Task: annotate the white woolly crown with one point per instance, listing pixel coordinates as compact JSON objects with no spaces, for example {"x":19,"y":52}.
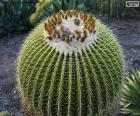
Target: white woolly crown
{"x":69,"y":31}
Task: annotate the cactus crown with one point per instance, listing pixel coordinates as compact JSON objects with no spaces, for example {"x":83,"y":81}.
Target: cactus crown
{"x":70,"y":30}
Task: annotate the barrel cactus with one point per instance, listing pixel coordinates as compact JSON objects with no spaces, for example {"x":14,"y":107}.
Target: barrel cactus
{"x":70,"y":64}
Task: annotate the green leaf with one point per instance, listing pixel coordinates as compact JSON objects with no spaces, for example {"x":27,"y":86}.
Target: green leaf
{"x":81,"y":7}
{"x":57,"y":4}
{"x":72,"y":4}
{"x":131,"y":94}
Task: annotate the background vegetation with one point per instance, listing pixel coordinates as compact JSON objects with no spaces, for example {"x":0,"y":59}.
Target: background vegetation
{"x":14,"y":15}
{"x":131,"y":94}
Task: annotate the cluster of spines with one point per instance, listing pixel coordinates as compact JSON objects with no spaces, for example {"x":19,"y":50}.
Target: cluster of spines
{"x":77,"y":84}
{"x":64,"y":34}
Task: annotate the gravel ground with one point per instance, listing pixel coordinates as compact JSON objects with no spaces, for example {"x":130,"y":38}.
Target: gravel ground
{"x":128,"y":33}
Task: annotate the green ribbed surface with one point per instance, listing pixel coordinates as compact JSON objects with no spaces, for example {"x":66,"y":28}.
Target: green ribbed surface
{"x":77,"y":84}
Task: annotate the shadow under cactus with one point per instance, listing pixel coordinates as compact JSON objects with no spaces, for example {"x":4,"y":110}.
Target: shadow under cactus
{"x":128,"y":33}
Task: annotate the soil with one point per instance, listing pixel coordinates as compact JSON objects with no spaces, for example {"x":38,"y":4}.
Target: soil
{"x":127,"y":32}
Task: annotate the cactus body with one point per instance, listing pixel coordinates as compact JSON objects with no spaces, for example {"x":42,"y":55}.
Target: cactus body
{"x":76,"y":73}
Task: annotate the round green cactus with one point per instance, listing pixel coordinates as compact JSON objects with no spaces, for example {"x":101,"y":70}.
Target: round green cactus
{"x":70,"y":64}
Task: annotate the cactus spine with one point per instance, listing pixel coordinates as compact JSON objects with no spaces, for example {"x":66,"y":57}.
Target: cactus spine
{"x":71,"y":64}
